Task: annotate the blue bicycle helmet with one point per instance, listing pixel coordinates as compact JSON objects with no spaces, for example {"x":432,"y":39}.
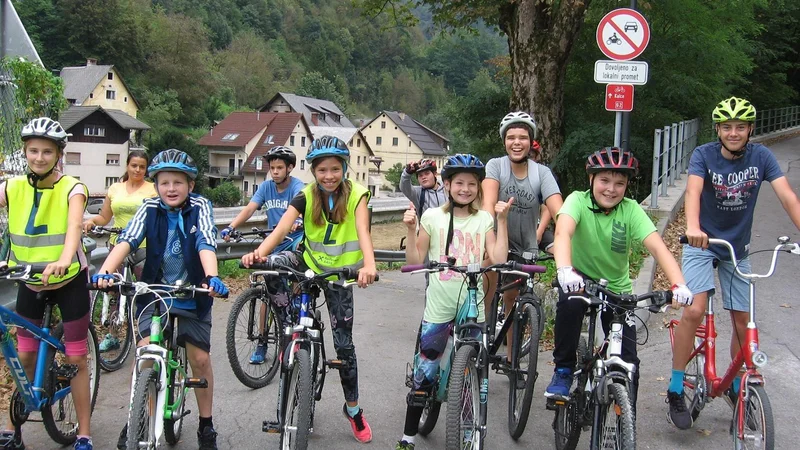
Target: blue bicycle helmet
{"x":172,"y":160}
{"x":328,"y":146}
{"x":463,"y":163}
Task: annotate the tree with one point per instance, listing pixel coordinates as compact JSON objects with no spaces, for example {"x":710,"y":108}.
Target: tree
{"x":177,"y":140}
{"x":248,"y":67}
{"x":393,"y":175}
{"x":313,"y":84}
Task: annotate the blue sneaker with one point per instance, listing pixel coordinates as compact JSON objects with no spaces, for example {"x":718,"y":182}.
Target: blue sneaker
{"x":83,"y":444}
{"x":259,"y":355}
{"x":109,"y":343}
{"x":560,"y":384}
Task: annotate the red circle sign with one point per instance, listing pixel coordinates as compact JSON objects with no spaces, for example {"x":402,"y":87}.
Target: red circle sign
{"x":623,"y":34}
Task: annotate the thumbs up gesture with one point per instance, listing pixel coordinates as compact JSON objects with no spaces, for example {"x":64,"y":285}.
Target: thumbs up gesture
{"x":501,"y":209}
{"x":410,"y":217}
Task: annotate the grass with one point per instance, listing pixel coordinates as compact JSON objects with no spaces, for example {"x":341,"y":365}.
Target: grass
{"x":231,"y":269}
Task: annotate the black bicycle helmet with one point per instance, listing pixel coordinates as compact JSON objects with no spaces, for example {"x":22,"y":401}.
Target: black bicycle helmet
{"x":282,"y":153}
{"x":463,"y":163}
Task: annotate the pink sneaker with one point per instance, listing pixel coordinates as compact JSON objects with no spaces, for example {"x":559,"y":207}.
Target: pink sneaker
{"x":361,"y":430}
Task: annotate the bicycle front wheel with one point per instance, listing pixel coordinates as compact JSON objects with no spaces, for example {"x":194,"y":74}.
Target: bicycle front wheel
{"x":463,"y":402}
{"x":565,"y":425}
{"x":694,"y":382}
{"x":143,"y":414}
{"x":176,"y":393}
{"x":114,"y":339}
{"x":297,"y":415}
{"x":243,"y":339}
{"x":521,"y":381}
{"x":616,"y":421}
{"x":758,"y":426}
{"x":60,"y":416}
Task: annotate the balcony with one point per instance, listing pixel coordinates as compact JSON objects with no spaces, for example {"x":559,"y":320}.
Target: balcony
{"x":224,"y":172}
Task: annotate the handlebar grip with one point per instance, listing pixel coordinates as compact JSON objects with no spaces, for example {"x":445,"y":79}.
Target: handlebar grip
{"x":531,"y":268}
{"x":38,"y":268}
{"x":256,"y":266}
{"x":683,"y":239}
{"x":412,"y":267}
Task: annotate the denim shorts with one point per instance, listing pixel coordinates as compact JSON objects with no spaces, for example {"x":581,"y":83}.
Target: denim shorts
{"x":698,"y":269}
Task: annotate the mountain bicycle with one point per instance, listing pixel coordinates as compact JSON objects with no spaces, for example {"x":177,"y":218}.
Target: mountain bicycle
{"x":601,"y":392}
{"x":110,"y":315}
{"x":252,"y":325}
{"x":49,"y":392}
{"x":160,"y":380}
{"x":520,"y":327}
{"x":464,"y":376}
{"x":753,"y":424}
{"x":302,"y":355}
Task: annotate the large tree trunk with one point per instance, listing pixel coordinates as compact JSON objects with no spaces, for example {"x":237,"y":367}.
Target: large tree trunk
{"x":540,"y":37}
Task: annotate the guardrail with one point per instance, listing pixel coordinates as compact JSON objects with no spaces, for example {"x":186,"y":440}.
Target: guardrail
{"x":672,"y":146}
{"x":777,"y":119}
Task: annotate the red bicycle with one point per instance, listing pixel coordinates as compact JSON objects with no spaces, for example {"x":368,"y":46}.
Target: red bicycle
{"x":752,"y":426}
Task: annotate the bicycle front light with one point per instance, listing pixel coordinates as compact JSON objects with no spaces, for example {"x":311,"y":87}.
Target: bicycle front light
{"x":759,"y":358}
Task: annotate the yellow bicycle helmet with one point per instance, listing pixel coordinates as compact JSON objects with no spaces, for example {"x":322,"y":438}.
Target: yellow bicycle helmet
{"x":734,"y":109}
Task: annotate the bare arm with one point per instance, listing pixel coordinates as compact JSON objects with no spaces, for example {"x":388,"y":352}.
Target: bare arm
{"x":115,"y":258}
{"x":497,"y":246}
{"x":544,"y":221}
{"x":277,"y":236}
{"x":410,"y":219}
{"x":102,"y":218}
{"x":788,"y":199}
{"x":366,"y":275}
{"x":562,"y":242}
{"x":554,"y":203}
{"x":691,"y":204}
{"x":208,"y":259}
{"x":246,"y":213}
{"x":491,"y":192}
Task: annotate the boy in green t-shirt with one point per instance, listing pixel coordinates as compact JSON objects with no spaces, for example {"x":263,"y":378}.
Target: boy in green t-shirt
{"x":604,"y":224}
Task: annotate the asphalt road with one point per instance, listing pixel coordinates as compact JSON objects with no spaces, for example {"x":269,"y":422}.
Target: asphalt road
{"x":387,"y":315}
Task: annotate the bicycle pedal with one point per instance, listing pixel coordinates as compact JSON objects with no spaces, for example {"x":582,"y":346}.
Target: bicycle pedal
{"x":336,"y":364}
{"x":9,"y":440}
{"x":271,"y":427}
{"x":553,"y":404}
{"x":196,"y":383}
{"x":65,"y":372}
{"x":418,"y":398}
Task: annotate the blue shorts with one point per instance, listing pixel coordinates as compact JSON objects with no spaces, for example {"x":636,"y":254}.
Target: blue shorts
{"x":698,"y":269}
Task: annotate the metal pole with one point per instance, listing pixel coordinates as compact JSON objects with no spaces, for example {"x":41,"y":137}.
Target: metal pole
{"x":625,"y":138}
{"x":673,"y":151}
{"x":665,"y":160}
{"x":654,"y":182}
{"x":617,"y":129}
{"x":2,"y":29}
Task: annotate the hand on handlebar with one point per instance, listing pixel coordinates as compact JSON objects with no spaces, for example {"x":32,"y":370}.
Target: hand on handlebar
{"x":697,"y":238}
{"x":215,"y":285}
{"x":569,"y":280}
{"x":681,"y":296}
{"x":252,"y":258}
{"x":102,"y":280}
{"x":225,"y":233}
{"x":366,"y":276}
{"x":88,"y":225}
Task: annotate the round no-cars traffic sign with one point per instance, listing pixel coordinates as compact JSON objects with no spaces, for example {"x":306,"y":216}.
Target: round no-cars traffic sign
{"x":623,"y":34}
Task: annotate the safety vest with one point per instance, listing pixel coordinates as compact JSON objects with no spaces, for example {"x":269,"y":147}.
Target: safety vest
{"x":38,"y":230}
{"x":333,"y":245}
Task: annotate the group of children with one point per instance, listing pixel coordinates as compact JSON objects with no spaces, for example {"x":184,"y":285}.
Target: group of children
{"x":478,"y":212}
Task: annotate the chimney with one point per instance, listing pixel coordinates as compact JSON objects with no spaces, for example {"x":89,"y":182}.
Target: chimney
{"x":315,"y":118}
{"x":361,"y":123}
{"x":258,"y":116}
{"x":91,"y":62}
{"x":402,"y":116}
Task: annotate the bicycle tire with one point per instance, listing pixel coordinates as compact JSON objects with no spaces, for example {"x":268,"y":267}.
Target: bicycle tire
{"x":240,"y":343}
{"x":174,"y":427}
{"x":617,"y":421}
{"x":60,"y":418}
{"x":519,"y":399}
{"x":463,"y":401}
{"x":111,"y":361}
{"x":143,"y":410}
{"x":758,"y":421}
{"x":694,"y":382}
{"x":299,"y":403}
{"x":430,"y":415}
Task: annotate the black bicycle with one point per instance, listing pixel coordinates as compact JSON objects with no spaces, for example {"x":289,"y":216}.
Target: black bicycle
{"x":601,"y":392}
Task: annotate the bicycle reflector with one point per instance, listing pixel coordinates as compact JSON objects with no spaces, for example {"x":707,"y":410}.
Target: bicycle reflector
{"x":759,"y":359}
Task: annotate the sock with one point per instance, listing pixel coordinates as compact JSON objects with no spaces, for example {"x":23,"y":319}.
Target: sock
{"x":206,"y":422}
{"x":84,"y":436}
{"x":676,"y":382}
{"x":352,"y":411}
{"x":737,"y":383}
{"x":409,"y":439}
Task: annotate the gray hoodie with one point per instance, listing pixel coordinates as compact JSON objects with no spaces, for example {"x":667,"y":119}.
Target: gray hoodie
{"x":431,"y":198}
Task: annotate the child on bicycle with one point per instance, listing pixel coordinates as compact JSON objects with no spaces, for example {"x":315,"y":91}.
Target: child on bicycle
{"x":336,"y":236}
{"x":181,"y":245}
{"x":603,"y":225}
{"x":721,"y":191}
{"x":460,"y":230}
{"x":45,"y":210}
{"x":275,"y":194}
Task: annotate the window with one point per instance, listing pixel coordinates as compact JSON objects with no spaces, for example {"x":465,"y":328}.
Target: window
{"x":246,"y":186}
{"x":383,"y":124}
{"x":395,"y":141}
{"x":72,"y":158}
{"x":302,"y":164}
{"x":269,"y":139}
{"x":359,"y":160}
{"x":112,"y":159}
{"x":358,"y":143}
{"x":110,"y":181}
{"x":110,"y":75}
{"x":91,"y":95}
{"x":291,"y":141}
{"x":125,"y":99}
{"x":111,"y":95}
{"x":302,"y":141}
{"x":94,"y":130}
{"x":378,"y":140}
{"x":230,"y":137}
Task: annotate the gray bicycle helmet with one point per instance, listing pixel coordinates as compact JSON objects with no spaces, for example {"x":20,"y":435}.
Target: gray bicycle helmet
{"x":46,"y":128}
{"x":518,"y":117}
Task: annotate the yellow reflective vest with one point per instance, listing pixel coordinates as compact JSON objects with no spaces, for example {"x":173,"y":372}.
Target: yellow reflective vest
{"x":38,"y":230}
{"x":333,"y":245}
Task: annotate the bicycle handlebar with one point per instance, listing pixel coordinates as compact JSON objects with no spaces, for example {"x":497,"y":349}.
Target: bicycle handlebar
{"x":510,"y":267}
{"x":784,"y":245}
{"x":653,"y":300}
{"x":21,"y":272}
{"x":133,"y":288}
{"x":267,"y":268}
{"x":98,"y":230}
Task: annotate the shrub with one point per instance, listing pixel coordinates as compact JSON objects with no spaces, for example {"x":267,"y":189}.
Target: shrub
{"x":226,"y":194}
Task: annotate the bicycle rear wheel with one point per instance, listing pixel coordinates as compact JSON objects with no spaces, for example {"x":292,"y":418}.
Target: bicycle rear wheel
{"x":520,"y":386}
{"x":243,"y":338}
{"x":114,"y":338}
{"x":297,"y":415}
{"x":176,"y":392}
{"x":143,"y":414}
{"x":566,"y":427}
{"x":59,"y":416}
{"x":463,"y":402}
{"x":430,"y":415}
{"x":617,"y":423}
{"x":758,"y":423}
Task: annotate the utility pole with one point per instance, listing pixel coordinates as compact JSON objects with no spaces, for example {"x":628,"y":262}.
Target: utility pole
{"x":625,"y":138}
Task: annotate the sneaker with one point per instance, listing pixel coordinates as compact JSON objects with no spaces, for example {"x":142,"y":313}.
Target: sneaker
{"x":361,"y":430}
{"x":122,"y":442}
{"x":109,"y":343}
{"x":403,"y":445}
{"x":560,"y":384}
{"x":83,"y":444}
{"x":259,"y":355}
{"x":678,"y":415}
{"x":207,"y":440}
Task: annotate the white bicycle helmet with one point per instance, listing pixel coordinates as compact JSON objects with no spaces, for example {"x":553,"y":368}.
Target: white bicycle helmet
{"x":46,"y":128}
{"x":520,"y":117}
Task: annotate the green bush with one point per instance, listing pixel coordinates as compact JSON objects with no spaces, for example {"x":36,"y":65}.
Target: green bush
{"x":226,"y":194}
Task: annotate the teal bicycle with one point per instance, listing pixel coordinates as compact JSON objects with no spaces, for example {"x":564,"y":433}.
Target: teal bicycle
{"x":49,"y":392}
